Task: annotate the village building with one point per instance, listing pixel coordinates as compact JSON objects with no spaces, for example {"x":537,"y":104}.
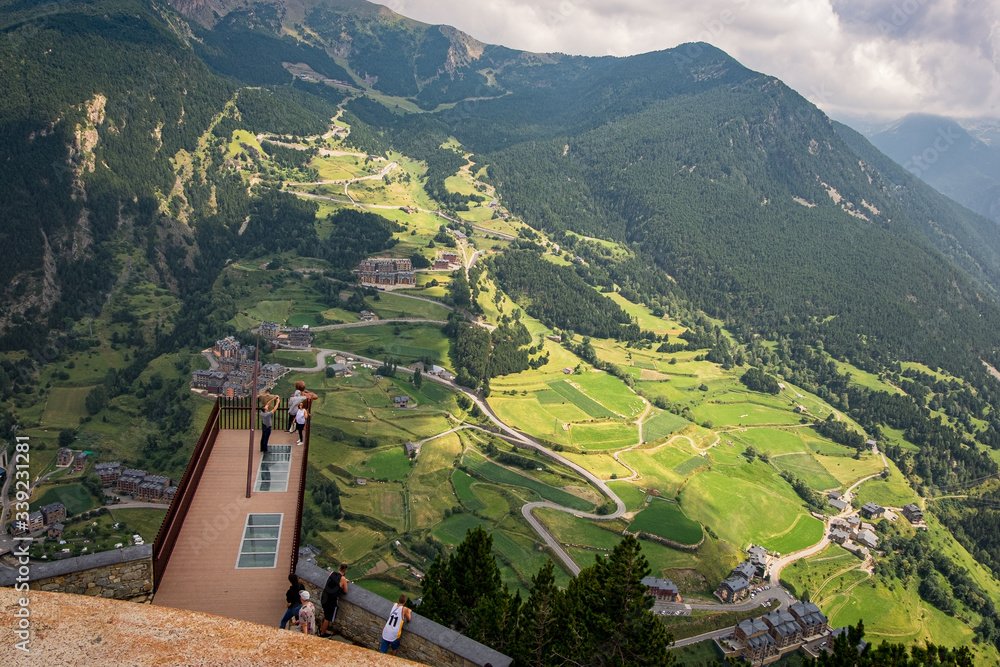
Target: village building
{"x":367,"y":316}
{"x":810,"y":618}
{"x":36,"y":522}
{"x":663,"y":590}
{"x":300,"y":337}
{"x":210,"y":381}
{"x":229,"y":348}
{"x":733,"y":589}
{"x":412,"y":449}
{"x":386,"y":272}
{"x":64,"y":457}
{"x":149,"y":492}
{"x":839,"y":536}
{"x":913,"y":513}
{"x":867,"y":538}
{"x":53,"y":513}
{"x":782,"y":628}
{"x":338,"y":370}
{"x":758,"y":645}
{"x":129,"y":481}
{"x":402,"y":401}
{"x":108,"y":472}
{"x":872,"y":511}
{"x":56,"y":530}
{"x":853,"y":524}
{"x":79,"y":461}
{"x":760,"y":559}
{"x":837,"y":504}
{"x":269,"y":330}
{"x":746,"y":570}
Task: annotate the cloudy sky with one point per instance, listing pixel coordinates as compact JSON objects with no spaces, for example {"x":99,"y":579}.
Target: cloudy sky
{"x":853,"y":58}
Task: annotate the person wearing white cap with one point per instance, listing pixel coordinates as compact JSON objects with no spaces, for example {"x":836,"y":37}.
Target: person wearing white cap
{"x":307,"y":614}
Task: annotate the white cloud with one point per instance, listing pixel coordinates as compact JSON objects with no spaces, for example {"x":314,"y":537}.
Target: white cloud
{"x":881,"y":57}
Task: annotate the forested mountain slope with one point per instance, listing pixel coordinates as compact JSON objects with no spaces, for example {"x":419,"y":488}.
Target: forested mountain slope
{"x":750,"y":197}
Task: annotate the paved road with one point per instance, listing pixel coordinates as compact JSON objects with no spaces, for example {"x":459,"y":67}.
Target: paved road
{"x":372,"y":323}
{"x":715,"y":634}
{"x":781,"y":563}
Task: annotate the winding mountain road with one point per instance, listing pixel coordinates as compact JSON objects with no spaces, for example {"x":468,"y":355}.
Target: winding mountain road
{"x":519,"y":438}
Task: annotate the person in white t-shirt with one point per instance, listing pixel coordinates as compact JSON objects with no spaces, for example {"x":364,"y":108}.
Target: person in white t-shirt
{"x":393,"y":629}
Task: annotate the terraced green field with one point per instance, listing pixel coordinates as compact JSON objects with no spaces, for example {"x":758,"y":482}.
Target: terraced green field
{"x":588,"y":405}
{"x":661,"y":425}
{"x":65,"y":407}
{"x":774,"y":516}
{"x":667,"y":519}
{"x":806,"y":468}
{"x":406,"y":342}
{"x":75,"y":497}
{"x":495,"y":473}
{"x":462,"y":482}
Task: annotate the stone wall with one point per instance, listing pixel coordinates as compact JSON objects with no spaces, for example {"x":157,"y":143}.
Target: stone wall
{"x":361,"y":615}
{"x":121,"y":574}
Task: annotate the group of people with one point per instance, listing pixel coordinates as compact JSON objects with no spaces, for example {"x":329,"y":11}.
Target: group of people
{"x":301,"y":611}
{"x":299,"y":405}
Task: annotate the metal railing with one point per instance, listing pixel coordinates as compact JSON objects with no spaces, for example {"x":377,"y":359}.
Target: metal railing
{"x":239,"y":414}
{"x":300,"y":503}
{"x":166,"y":537}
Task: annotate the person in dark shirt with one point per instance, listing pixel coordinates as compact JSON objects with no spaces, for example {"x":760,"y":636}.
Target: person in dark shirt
{"x":293,"y":600}
{"x":336,"y":585}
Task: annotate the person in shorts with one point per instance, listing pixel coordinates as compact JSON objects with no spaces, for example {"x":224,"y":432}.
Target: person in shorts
{"x":336,"y":585}
{"x":393,"y":630}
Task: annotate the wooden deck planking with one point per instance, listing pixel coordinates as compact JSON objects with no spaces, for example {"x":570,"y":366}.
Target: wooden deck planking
{"x":201,"y":574}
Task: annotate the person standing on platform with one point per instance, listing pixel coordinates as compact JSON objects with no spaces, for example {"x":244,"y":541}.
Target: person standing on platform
{"x":301,"y":415}
{"x":267,"y":419}
{"x":393,"y":630}
{"x":293,"y":405}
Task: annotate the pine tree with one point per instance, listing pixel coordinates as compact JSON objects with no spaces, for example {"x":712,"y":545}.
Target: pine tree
{"x":611,"y":615}
{"x":539,"y":627}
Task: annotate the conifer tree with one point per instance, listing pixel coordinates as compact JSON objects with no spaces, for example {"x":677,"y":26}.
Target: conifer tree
{"x":609,"y":612}
{"x":539,"y":628}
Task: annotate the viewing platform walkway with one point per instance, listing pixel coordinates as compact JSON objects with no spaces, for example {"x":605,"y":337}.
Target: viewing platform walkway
{"x":218,"y":550}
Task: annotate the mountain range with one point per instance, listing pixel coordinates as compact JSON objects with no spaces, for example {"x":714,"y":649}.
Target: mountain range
{"x":762,"y":209}
{"x":678,"y":183}
{"x":958,"y":162}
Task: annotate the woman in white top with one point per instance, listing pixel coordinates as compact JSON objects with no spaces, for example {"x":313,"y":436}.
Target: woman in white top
{"x":301,"y":414}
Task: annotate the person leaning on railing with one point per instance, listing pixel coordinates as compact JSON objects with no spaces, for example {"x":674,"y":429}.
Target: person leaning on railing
{"x":299,"y":397}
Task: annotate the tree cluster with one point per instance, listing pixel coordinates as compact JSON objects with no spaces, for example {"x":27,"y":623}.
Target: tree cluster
{"x":602,"y":618}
